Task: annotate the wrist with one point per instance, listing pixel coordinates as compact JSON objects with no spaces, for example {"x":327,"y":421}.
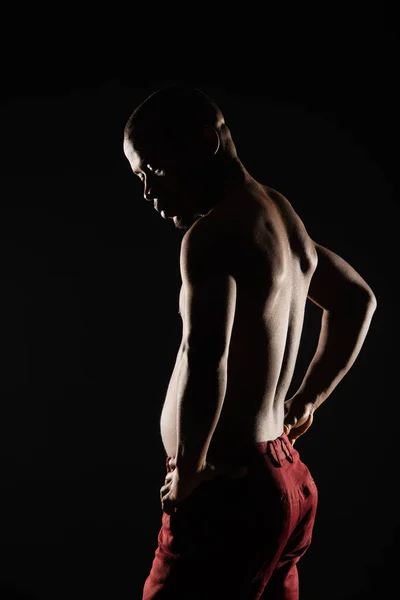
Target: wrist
{"x":187,"y":468}
{"x":305,"y":400}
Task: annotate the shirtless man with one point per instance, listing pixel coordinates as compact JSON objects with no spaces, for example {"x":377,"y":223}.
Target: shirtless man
{"x":238,"y":503}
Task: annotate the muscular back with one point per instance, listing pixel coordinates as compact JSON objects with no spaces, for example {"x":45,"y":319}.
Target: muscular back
{"x":273,"y":261}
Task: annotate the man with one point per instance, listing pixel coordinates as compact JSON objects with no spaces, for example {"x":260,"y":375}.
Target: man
{"x":238,"y":503}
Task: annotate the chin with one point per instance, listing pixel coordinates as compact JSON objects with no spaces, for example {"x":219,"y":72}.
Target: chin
{"x":179,"y":224}
{"x":183,"y":222}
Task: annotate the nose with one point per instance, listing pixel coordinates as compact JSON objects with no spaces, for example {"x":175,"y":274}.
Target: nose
{"x":151,"y":187}
{"x":148,"y":193}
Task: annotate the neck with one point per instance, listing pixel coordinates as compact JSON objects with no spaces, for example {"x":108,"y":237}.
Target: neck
{"x":226,"y":175}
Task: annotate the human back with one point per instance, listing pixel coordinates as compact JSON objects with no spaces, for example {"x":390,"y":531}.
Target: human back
{"x":272,"y":259}
{"x":241,"y":518}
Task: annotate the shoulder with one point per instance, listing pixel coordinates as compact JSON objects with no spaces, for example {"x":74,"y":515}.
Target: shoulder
{"x":207,"y":247}
{"x":203,"y":233}
{"x":300,"y":240}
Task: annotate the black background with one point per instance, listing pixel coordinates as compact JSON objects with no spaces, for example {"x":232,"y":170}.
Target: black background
{"x":90,"y":283}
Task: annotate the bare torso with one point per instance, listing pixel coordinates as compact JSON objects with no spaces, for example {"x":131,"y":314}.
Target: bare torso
{"x":273,"y":269}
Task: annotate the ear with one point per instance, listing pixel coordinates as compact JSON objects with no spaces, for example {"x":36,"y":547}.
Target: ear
{"x":211,"y":138}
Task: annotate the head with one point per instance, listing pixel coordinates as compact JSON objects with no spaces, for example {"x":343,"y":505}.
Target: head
{"x":178,"y":144}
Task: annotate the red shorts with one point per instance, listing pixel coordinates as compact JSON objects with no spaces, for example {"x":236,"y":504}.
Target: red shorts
{"x":233,"y":539}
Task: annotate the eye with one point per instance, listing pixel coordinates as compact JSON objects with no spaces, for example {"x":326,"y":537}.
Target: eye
{"x":158,"y":172}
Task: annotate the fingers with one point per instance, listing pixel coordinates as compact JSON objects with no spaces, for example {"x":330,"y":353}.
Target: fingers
{"x":166,"y":505}
{"x":287,"y":429}
{"x":165,"y":488}
{"x":303,"y":428}
{"x":294,"y":432}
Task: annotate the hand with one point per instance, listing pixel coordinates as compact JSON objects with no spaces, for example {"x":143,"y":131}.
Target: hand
{"x":178,"y":486}
{"x":298,"y":418}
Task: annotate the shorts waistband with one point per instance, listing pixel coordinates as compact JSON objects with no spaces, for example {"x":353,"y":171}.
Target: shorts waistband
{"x":280,"y":451}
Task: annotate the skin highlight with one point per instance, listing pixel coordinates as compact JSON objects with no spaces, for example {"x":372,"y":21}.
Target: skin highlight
{"x":192,"y":174}
{"x":189,"y":180}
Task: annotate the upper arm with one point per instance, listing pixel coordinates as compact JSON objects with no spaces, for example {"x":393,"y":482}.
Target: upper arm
{"x":335,"y":284}
{"x":210,"y":297}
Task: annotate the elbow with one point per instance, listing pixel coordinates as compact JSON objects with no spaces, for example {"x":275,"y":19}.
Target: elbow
{"x":368,"y":306}
{"x":363,"y":302}
{"x":366,"y":299}
{"x":373,"y":303}
{"x":370,"y":301}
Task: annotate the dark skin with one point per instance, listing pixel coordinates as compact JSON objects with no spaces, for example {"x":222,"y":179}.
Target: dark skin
{"x":185,"y":194}
{"x":190,"y":186}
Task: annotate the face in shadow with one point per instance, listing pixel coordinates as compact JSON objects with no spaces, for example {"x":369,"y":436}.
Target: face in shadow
{"x":176,"y":175}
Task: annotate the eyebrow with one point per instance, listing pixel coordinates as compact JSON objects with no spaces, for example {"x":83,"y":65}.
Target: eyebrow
{"x":145,"y":162}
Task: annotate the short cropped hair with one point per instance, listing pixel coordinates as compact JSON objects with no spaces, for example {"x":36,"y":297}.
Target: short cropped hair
{"x":173,"y":114}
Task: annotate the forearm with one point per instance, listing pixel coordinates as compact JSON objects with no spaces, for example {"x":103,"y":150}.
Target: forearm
{"x":340,"y":341}
{"x":201,"y":393}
